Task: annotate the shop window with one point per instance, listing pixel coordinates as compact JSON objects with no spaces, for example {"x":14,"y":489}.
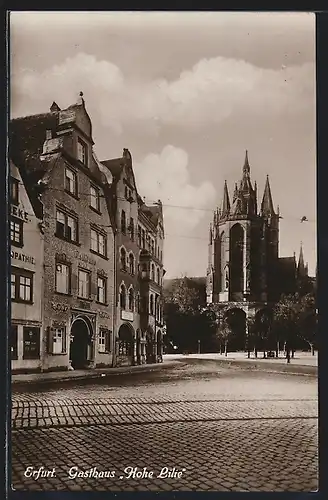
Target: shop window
{"x":57,"y":340}
{"x":31,"y":342}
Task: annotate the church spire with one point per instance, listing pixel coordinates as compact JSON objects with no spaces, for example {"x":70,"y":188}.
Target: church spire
{"x":267,"y":204}
{"x":226,"y":201}
{"x":301,"y":269}
{"x":246,"y":167}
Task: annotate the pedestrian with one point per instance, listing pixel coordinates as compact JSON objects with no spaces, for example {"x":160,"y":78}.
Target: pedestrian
{"x":287,"y":352}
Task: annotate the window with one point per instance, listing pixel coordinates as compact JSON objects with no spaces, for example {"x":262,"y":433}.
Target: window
{"x":101,"y":289}
{"x":81,"y":151}
{"x":66,"y":226}
{"x":123,"y":259}
{"x":123,"y":222}
{"x":70,"y":181}
{"x":98,"y":243}
{"x":21,"y":285}
{"x":139,"y":236}
{"x":13,"y":341}
{"x":94,"y":198}
{"x":131,"y":263}
{"x":151,"y":304}
{"x":138,"y":303}
{"x":104,"y":340}
{"x":84,"y":284}
{"x":16,"y":232}
{"x":31,"y":343}
{"x":158,"y":278}
{"x":143,"y":239}
{"x":63,"y":278}
{"x":131,"y":228}
{"x":153,"y":272}
{"x":122,"y":297}
{"x":131,"y":299}
{"x":14,"y":191}
{"x":59,"y":340}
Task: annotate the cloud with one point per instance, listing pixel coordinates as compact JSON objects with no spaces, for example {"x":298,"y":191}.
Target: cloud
{"x":209,"y":92}
{"x":165,"y":176}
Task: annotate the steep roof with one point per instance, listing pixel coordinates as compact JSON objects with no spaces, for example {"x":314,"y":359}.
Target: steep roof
{"x":115,"y":166}
{"x":267,"y":203}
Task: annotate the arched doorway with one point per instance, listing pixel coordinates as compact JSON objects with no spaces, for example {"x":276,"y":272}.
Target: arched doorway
{"x":235,"y":319}
{"x":80,"y":342}
{"x":125,"y":355}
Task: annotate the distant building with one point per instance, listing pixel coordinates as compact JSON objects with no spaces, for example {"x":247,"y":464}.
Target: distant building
{"x":54,"y":153}
{"x":245,"y":274}
{"x":27,"y":240}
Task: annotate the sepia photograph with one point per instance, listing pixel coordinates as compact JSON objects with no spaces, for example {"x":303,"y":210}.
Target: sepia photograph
{"x":162,"y":206}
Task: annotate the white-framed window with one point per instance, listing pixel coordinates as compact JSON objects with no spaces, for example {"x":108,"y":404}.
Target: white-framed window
{"x":21,"y":285}
{"x":82,"y":151}
{"x":104,"y":339}
{"x":16,"y":232}
{"x":63,"y":278}
{"x":98,"y":243}
{"x":70,"y":181}
{"x":58,"y":340}
{"x":101,"y":289}
{"x":84,"y":283}
{"x":66,"y":226}
{"x":94,"y":198}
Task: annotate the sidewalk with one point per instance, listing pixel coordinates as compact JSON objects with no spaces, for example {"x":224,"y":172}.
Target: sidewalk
{"x":65,"y":376}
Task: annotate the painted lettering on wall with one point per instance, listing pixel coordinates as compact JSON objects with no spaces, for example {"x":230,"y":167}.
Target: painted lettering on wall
{"x":24,"y":258}
{"x":20,"y":213}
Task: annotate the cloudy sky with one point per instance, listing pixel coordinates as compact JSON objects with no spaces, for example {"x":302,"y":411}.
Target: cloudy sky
{"x":187,"y":94}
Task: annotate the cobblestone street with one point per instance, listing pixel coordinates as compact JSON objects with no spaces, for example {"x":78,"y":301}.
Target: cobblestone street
{"x":212,"y":428}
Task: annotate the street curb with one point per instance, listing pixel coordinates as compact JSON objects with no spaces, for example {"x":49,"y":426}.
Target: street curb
{"x":260,"y":366}
{"x":105,"y":373}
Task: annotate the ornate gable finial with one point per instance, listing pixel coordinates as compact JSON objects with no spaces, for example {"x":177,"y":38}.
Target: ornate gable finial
{"x":246,"y":167}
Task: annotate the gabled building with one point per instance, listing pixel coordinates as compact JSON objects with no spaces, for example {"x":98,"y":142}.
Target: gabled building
{"x":54,"y":153}
{"x":245,"y":274}
{"x":139,"y":268}
{"x":27,"y":286}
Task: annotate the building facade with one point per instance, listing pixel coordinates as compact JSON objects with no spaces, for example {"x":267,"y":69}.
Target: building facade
{"x":27,"y":246}
{"x":55,"y":152}
{"x":139,"y":268}
{"x":245,"y":275}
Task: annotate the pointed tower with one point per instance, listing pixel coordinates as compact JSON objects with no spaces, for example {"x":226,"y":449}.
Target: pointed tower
{"x":267,"y":203}
{"x":244,"y":198}
{"x":226,"y":202}
{"x":301,"y":269}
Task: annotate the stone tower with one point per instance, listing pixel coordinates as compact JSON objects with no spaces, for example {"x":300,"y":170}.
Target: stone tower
{"x":243,"y":249}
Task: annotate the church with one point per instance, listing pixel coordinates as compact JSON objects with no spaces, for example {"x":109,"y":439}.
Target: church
{"x":245,"y":275}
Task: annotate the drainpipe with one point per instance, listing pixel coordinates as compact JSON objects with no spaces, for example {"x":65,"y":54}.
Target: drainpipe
{"x":114,"y":302}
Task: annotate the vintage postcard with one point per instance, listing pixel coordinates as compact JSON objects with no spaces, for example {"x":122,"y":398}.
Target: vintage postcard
{"x":163,"y":251}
